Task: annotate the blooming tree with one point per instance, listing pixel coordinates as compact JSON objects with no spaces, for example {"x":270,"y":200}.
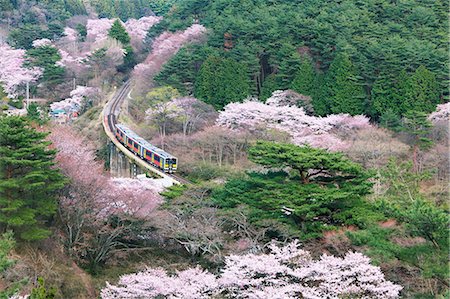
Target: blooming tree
{"x":97,"y":29}
{"x":191,"y":113}
{"x":303,"y":129}
{"x":13,"y":74}
{"x":77,"y":99}
{"x":442,"y":113}
{"x":137,"y":28}
{"x":91,"y":198}
{"x":284,"y":272}
{"x":163,"y":47}
{"x":42,"y":43}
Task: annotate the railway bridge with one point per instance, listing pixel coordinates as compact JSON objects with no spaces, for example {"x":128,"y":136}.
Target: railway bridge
{"x":121,"y":155}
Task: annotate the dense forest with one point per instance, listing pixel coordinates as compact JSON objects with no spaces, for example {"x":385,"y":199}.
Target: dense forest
{"x":380,"y":58}
{"x":312,"y":137}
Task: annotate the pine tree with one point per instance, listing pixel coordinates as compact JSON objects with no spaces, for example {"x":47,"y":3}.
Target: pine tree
{"x":304,"y":81}
{"x":28,"y":181}
{"x":417,"y":125}
{"x":343,"y":90}
{"x":290,"y":62}
{"x":423,"y":93}
{"x":119,"y":32}
{"x":221,"y":81}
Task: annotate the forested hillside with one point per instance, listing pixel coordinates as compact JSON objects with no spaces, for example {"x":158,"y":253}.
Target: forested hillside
{"x":376,"y":57}
{"x":309,"y":139}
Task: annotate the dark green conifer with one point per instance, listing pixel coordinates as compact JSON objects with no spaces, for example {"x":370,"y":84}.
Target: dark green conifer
{"x":28,"y":179}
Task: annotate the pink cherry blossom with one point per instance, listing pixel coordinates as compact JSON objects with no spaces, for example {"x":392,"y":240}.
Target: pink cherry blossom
{"x":163,"y":47}
{"x":97,"y":29}
{"x":284,"y":272}
{"x":42,"y":42}
{"x":70,"y":34}
{"x":442,"y":113}
{"x":283,"y":116}
{"x":13,"y":74}
{"x":138,"y":28}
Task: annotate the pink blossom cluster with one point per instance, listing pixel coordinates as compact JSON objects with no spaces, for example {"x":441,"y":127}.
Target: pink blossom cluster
{"x":41,"y":42}
{"x":303,"y":129}
{"x":76,"y":100}
{"x":284,"y":272}
{"x":77,"y":160}
{"x":442,"y":113}
{"x":12,"y":72}
{"x":68,"y":60}
{"x":141,"y":196}
{"x":97,"y":29}
{"x":164,"y":46}
{"x":70,"y":34}
{"x":137,"y":28}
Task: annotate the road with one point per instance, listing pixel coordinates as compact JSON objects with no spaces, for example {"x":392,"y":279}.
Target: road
{"x":110,"y":115}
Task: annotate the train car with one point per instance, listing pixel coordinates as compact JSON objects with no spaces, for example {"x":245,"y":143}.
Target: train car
{"x":146,"y":151}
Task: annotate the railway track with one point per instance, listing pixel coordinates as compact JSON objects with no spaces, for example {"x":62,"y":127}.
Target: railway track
{"x":111,"y":115}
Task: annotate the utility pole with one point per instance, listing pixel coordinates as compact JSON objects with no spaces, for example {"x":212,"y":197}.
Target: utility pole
{"x":28,"y":94}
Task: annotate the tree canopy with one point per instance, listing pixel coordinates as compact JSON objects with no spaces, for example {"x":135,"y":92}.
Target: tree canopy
{"x":308,"y":189}
{"x":28,"y":180}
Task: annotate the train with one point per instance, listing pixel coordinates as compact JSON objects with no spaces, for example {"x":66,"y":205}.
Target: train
{"x":146,"y":151}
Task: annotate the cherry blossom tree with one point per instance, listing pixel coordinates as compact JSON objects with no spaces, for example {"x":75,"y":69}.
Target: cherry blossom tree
{"x":304,"y":129}
{"x":91,"y":199}
{"x":42,"y":43}
{"x":164,"y":47}
{"x":97,"y":29}
{"x":13,"y":73}
{"x":192,"y":113}
{"x":442,"y":113}
{"x":137,"y":29}
{"x":77,"y":99}
{"x":284,"y":272}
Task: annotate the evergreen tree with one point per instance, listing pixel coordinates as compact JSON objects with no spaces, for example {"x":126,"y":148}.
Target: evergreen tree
{"x":28,"y":181}
{"x":417,"y":126}
{"x":423,"y":92}
{"x":343,"y":90}
{"x":305,"y":79}
{"x":118,"y":32}
{"x":268,"y":87}
{"x":320,"y":101}
{"x":46,"y":58}
{"x":316,"y":189}
{"x":221,"y":81}
{"x":289,"y":63}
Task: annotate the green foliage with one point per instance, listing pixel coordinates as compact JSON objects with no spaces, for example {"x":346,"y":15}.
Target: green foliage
{"x":182,"y":69}
{"x":39,"y":19}
{"x":305,"y":79}
{"x":417,"y":125}
{"x":409,"y":91}
{"x":342,"y":87}
{"x":174,"y":191}
{"x":82,"y":31}
{"x":268,"y":87}
{"x":7,"y":244}
{"x":33,"y":113}
{"x":318,"y":190}
{"x":381,"y":39}
{"x":28,"y":181}
{"x":119,"y":32}
{"x":46,"y":57}
{"x":221,"y":81}
{"x":125,"y":9}
{"x":24,"y":36}
{"x":41,"y":291}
